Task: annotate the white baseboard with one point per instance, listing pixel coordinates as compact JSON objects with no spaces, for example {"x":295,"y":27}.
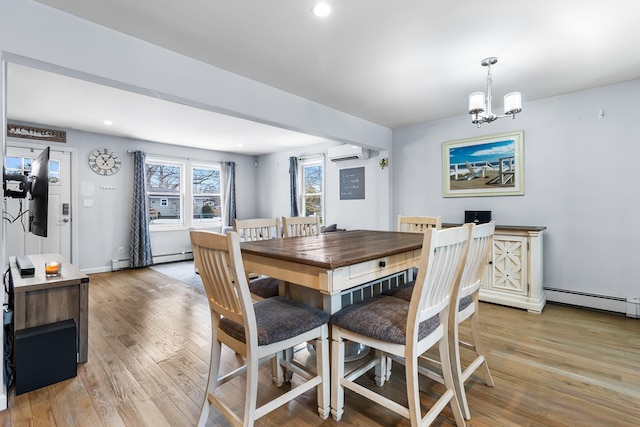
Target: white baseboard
{"x":96,"y":270}
{"x":629,"y":306}
{"x":633,"y":307}
{"x":3,"y":397}
{"x":182,"y":256}
{"x":121,"y":264}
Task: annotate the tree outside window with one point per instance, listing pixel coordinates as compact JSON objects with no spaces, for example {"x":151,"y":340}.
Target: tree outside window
{"x":206,"y":194}
{"x":313,"y":187}
{"x":163,"y":188}
{"x":183,"y":193}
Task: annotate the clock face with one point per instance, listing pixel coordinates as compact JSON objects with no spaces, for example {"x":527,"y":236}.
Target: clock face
{"x":104,"y":162}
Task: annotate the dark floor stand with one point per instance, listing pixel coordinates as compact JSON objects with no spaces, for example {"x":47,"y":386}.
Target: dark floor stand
{"x":45,"y":355}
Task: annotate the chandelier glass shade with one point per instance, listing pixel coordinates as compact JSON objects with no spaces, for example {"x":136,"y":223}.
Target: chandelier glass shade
{"x":480,"y":103}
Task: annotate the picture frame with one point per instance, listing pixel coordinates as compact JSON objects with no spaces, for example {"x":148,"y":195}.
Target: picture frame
{"x":352,"y":183}
{"x":490,"y":165}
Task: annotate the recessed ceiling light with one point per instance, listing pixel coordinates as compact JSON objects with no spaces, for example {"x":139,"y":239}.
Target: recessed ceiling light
{"x":108,"y":122}
{"x":321,"y":10}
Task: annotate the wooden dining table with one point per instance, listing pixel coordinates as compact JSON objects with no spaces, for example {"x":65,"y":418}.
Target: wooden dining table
{"x":327,"y":265}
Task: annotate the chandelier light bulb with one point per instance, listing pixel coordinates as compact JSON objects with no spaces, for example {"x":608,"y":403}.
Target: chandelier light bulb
{"x":512,"y":103}
{"x":476,"y":103}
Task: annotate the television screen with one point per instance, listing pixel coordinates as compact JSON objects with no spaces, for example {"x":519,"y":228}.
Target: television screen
{"x":39,"y":189}
{"x":479,"y":217}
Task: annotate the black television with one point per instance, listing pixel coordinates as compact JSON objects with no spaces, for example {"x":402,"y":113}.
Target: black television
{"x":478,"y":217}
{"x":39,"y":189}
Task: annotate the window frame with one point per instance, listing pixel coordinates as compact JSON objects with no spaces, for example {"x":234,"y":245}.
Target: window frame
{"x":26,"y":164}
{"x":164,"y":197}
{"x":200,"y":221}
{"x":186,"y":193}
{"x":302,"y":194}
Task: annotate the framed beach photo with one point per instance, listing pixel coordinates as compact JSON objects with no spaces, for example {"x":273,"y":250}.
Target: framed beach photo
{"x":486,"y":166}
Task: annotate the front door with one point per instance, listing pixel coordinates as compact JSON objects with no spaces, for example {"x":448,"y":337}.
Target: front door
{"x":58,"y":240}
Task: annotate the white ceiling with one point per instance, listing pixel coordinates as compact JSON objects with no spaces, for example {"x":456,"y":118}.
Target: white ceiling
{"x":50,"y":99}
{"x":390,"y":62}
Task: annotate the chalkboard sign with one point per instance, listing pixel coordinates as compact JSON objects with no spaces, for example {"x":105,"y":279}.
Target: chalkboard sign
{"x":352,"y":183}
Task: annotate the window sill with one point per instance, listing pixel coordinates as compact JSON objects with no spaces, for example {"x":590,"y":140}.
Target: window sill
{"x":159,"y":228}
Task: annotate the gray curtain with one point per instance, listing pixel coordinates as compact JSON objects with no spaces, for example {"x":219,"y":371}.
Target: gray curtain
{"x":139,"y":240}
{"x":293,"y":185}
{"x":228,"y":175}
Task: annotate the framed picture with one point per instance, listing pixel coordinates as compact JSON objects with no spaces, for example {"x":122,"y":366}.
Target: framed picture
{"x":352,"y":183}
{"x":486,"y":166}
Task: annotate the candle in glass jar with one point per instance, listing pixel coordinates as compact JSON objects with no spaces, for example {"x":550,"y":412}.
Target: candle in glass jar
{"x":51,"y":267}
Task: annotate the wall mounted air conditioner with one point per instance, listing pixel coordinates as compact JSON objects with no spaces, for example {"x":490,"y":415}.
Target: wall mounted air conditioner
{"x":347,"y":152}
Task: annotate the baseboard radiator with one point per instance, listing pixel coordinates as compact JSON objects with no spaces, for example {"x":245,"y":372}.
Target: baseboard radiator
{"x":121,"y":264}
{"x":181,"y":256}
{"x":629,"y":306}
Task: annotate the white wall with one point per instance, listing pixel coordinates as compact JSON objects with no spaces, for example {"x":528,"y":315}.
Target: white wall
{"x":104,"y":227}
{"x":580,"y":170}
{"x":36,"y":35}
{"x":370,"y":213}
{"x":581,"y":181}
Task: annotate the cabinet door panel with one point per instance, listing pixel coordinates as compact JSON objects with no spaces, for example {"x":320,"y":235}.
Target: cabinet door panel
{"x":509,"y":265}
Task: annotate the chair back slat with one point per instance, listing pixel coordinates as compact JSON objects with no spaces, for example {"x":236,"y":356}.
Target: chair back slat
{"x":443,"y":257}
{"x":251,"y":230}
{"x":301,"y":226}
{"x":477,"y":258}
{"x":219,"y":262}
{"x":418,"y":224}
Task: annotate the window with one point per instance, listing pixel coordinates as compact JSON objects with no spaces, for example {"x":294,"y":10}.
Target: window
{"x":22,"y":166}
{"x":14,"y":165}
{"x":207,"y":200}
{"x":183,"y":193}
{"x":312,"y":187}
{"x":54,"y":172}
{"x":164,"y":189}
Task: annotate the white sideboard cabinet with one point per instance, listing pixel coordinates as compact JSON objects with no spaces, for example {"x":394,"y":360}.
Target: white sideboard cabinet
{"x":513,"y":276}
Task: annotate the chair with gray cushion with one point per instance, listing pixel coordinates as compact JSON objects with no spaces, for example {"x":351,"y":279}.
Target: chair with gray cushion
{"x":467,"y":301}
{"x":251,"y":230}
{"x":300,"y":226}
{"x":418,"y":224}
{"x":468,"y":304}
{"x":258,"y":332}
{"x":403,"y":330}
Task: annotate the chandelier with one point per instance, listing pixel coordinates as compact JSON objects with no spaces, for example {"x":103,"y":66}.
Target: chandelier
{"x":480,"y":106}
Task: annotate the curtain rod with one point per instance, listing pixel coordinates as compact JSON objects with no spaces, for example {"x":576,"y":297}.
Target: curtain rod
{"x":179,"y":157}
{"x":308,"y":156}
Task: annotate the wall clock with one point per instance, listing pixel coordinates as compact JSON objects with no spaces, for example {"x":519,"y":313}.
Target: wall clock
{"x":104,"y":161}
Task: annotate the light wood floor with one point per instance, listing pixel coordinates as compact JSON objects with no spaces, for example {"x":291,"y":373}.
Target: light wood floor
{"x":149,"y":350}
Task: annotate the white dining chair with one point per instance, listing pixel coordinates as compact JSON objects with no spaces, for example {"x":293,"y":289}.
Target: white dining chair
{"x":251,"y":230}
{"x":467,"y":300}
{"x":301,"y":226}
{"x":257,"y":332}
{"x":418,"y":224}
{"x":468,"y":305}
{"x":403,"y":330}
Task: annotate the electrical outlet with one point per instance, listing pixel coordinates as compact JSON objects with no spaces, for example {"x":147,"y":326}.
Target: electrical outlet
{"x":120,"y":250}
